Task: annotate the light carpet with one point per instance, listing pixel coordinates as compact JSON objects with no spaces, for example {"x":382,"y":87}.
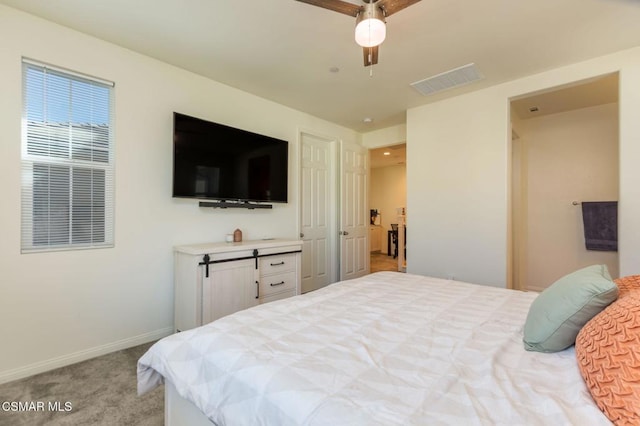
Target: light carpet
{"x":99,"y":391}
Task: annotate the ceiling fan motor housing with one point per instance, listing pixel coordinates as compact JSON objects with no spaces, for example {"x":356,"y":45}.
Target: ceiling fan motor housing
{"x":370,"y":17}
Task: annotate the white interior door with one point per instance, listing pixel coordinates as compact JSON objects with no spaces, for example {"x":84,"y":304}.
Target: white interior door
{"x":354,"y":226}
{"x":317,"y":222}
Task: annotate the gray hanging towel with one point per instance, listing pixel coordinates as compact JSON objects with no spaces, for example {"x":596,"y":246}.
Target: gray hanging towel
{"x":600,"y":220}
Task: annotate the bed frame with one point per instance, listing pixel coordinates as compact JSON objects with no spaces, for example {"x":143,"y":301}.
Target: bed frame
{"x":179,"y":412}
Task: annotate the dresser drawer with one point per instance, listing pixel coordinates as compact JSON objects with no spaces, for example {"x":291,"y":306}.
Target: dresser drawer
{"x":277,"y":283}
{"x":277,"y":296}
{"x":277,"y":264}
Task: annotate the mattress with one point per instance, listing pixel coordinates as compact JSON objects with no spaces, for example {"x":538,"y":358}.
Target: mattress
{"x":387,"y":348}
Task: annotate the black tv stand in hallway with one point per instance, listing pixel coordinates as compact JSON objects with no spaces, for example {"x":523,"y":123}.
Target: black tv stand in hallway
{"x":392,"y":239}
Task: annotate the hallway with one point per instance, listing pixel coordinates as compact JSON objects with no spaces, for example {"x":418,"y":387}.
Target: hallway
{"x":382,"y":262}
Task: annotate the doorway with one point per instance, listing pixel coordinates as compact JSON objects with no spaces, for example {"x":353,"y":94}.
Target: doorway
{"x":387,"y":202}
{"x":564,"y":151}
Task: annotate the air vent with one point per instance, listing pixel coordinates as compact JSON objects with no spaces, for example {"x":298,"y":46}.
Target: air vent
{"x":448,"y":80}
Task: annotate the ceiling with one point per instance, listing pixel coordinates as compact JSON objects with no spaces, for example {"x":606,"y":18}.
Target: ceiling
{"x":598,"y":91}
{"x":285,"y":50}
{"x":388,"y":156}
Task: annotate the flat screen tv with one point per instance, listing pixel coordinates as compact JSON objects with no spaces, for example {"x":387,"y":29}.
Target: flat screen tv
{"x":217,"y":162}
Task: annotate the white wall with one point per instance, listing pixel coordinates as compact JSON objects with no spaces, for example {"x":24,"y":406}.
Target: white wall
{"x":61,"y":307}
{"x":456,"y":188}
{"x":388,"y":191}
{"x":457,"y":175}
{"x":571,"y":156}
{"x":388,"y":136}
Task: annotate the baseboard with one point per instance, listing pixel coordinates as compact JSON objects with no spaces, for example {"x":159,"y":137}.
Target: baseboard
{"x":53,"y":363}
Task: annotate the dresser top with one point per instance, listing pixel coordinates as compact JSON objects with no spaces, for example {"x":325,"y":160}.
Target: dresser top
{"x":223,"y":247}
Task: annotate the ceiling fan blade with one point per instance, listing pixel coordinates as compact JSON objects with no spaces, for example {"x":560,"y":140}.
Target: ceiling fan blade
{"x":336,"y":5}
{"x":392,"y":6}
{"x":370,"y":55}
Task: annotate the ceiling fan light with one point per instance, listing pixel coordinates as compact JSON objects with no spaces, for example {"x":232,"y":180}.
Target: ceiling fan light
{"x":370,"y":26}
{"x":370,"y":32}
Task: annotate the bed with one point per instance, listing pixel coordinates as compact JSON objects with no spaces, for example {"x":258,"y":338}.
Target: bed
{"x":388,"y":348}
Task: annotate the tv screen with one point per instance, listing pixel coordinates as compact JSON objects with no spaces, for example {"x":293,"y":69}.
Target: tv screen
{"x":218,"y":162}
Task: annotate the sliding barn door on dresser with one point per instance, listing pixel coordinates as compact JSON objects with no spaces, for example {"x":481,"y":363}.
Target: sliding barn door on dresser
{"x":218,"y":279}
{"x":230,"y":287}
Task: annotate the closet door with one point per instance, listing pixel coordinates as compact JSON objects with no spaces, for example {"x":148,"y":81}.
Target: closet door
{"x":316,"y":219}
{"x":354,"y":226}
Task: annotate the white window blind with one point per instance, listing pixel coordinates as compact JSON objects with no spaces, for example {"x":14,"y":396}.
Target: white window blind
{"x":67,"y":160}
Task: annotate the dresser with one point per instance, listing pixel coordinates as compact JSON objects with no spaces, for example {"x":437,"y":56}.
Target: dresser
{"x":217,"y":279}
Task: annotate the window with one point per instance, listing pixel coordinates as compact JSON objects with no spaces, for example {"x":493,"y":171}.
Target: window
{"x":67,"y":160}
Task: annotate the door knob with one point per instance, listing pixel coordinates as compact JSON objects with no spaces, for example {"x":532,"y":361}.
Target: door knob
{"x":345,"y":233}
{"x":302,"y":235}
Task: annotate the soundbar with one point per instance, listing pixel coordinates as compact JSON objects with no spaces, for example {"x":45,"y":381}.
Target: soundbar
{"x":234,"y":205}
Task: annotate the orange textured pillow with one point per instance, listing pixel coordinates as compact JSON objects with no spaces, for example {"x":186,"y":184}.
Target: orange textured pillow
{"x":627,"y":284}
{"x":608,"y":352}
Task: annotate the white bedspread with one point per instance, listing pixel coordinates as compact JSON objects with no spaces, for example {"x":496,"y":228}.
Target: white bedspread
{"x":388,"y":348}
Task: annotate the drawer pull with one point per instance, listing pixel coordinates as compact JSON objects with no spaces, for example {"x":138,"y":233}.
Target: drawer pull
{"x":277,"y":264}
{"x":280,"y":283}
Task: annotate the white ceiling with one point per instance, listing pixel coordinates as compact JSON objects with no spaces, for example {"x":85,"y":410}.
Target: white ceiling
{"x":388,"y":156}
{"x":602,"y":90}
{"x":283,"y":49}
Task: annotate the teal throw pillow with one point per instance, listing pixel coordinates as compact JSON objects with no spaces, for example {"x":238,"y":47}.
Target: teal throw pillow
{"x":560,"y":311}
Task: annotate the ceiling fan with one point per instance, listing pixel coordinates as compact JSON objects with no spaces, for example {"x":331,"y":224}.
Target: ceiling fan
{"x":370,"y":21}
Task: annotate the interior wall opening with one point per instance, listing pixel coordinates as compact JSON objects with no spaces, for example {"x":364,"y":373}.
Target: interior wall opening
{"x":564,"y":164}
{"x":387,"y":206}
